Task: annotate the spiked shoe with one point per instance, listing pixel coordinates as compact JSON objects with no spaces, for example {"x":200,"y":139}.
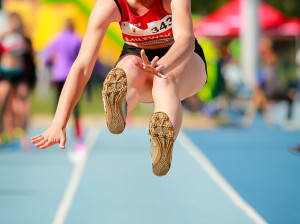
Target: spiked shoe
{"x":114,"y":100}
{"x":161,"y":133}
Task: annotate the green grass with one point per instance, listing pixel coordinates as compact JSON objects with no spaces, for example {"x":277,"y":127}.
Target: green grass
{"x":41,"y":105}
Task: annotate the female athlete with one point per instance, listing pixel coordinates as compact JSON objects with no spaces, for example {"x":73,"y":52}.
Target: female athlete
{"x":161,"y":62}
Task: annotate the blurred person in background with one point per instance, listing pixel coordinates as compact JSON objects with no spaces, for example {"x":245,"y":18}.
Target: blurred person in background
{"x":298,"y":63}
{"x":59,"y":56}
{"x":17,"y":78}
{"x":296,"y":148}
{"x":258,"y":99}
{"x":273,"y":85}
{"x":225,"y":59}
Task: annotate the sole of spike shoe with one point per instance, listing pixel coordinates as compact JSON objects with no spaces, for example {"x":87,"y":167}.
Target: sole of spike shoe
{"x":114,"y":99}
{"x":162,"y":139}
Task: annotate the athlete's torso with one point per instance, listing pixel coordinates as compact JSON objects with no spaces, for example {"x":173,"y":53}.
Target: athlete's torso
{"x":148,"y":29}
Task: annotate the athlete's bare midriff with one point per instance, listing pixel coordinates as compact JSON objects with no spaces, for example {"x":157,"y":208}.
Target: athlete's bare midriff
{"x":151,"y":47}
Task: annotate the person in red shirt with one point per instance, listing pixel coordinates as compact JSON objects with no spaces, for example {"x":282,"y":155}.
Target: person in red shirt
{"x":17,"y":79}
{"x":161,"y":62}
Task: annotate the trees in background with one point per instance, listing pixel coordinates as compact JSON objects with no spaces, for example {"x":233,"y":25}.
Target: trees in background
{"x":290,"y":8}
{"x":203,"y":7}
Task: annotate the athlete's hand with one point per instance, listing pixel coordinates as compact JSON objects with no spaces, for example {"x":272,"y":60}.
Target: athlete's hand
{"x":150,"y":67}
{"x":51,"y":136}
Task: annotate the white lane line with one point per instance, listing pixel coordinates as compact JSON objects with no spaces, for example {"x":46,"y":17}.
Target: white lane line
{"x":75,"y":178}
{"x":196,"y":153}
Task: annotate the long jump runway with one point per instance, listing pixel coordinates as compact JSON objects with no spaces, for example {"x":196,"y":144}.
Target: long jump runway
{"x":114,"y":184}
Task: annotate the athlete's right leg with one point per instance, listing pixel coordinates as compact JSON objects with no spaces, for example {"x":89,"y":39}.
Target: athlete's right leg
{"x":121,"y":92}
{"x":136,"y":79}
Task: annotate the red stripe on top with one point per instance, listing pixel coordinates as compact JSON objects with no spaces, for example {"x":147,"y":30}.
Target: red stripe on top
{"x":155,"y":24}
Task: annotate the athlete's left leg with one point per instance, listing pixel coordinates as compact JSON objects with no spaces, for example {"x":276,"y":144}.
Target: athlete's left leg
{"x":184,"y":81}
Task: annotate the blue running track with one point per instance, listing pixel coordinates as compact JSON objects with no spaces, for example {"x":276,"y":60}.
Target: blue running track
{"x":224,"y":176}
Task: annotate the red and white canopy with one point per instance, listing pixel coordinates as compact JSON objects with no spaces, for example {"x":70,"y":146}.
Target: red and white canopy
{"x":226,"y":21}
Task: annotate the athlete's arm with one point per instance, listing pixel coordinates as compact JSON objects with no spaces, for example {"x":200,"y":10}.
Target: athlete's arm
{"x":182,"y":26}
{"x":104,"y":12}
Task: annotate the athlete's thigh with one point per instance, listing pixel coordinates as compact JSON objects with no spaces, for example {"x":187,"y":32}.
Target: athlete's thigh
{"x":136,"y":77}
{"x":190,"y":76}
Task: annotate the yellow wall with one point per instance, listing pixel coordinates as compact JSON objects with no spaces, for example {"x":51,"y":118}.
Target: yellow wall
{"x":45,"y":20}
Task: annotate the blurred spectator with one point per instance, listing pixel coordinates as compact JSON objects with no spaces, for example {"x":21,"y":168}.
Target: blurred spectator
{"x":230,"y":82}
{"x":192,"y":103}
{"x":17,"y":78}
{"x":60,"y":55}
{"x":272,"y":86}
{"x":225,"y":59}
{"x":296,"y":148}
{"x":298,"y":65}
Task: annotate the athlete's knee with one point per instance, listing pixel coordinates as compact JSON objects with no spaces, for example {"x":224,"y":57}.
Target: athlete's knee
{"x":128,"y":64}
{"x":136,"y":77}
{"x":161,"y":85}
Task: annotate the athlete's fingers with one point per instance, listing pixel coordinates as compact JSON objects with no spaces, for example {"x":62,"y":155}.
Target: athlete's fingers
{"x":159,"y":68}
{"x":144,"y":57}
{"x":35,"y":137}
{"x":161,"y":76}
{"x":158,"y":75}
{"x":154,"y":61}
{"x":36,"y":140}
{"x":137,"y":62}
{"x":149,"y":68}
{"x":143,"y":66}
{"x":62,"y":143}
{"x":48,"y":144}
{"x":41,"y":143}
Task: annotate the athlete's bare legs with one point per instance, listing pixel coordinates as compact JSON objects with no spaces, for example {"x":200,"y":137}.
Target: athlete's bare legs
{"x":146,"y":84}
{"x":136,"y":80}
{"x":184,"y":81}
